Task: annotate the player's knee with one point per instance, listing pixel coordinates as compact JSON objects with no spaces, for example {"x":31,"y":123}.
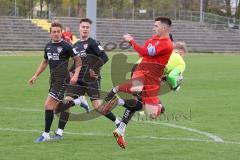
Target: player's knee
{"x":68,"y":98}
{"x":96,"y":103}
{"x":50,"y":103}
{"x":153,"y":111}
{"x":137,"y":89}
{"x":49,"y":108}
{"x":137,"y":86}
{"x":133,"y":105}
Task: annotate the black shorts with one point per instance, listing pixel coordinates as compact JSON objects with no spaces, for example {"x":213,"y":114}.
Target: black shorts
{"x":57,"y":88}
{"x":91,"y":88}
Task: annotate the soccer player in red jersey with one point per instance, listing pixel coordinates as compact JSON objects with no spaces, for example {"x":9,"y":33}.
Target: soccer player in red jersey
{"x":67,"y":35}
{"x":146,"y":78}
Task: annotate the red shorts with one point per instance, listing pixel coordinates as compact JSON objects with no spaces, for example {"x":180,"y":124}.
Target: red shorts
{"x":150,"y":76}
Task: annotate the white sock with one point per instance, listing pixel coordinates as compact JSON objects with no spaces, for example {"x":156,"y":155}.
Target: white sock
{"x":77,"y":101}
{"x":117,"y":120}
{"x":46,"y":135}
{"x":59,"y":132}
{"x":121,"y":102}
{"x":115,"y":89}
{"x":83,"y":100}
{"x":122,"y":128}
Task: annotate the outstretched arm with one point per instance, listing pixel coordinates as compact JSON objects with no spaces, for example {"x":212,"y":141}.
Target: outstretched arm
{"x":146,"y":50}
{"x":142,"y":51}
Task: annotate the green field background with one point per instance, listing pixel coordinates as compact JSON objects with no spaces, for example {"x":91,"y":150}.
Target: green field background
{"x":208,"y":101}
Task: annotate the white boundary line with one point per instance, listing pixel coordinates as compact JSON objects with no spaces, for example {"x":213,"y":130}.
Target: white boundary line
{"x":133,"y":137}
{"x":23,"y":109}
{"x":108,"y":135}
{"x":209,"y":135}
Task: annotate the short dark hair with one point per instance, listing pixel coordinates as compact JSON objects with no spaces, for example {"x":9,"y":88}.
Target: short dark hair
{"x":85,"y":20}
{"x":56,"y":24}
{"x":164,"y":20}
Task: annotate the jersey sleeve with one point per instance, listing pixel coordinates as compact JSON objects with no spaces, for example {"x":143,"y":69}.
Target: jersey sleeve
{"x":74,"y":50}
{"x":182,"y":65}
{"x":99,"y":52}
{"x":97,"y":48}
{"x":71,"y":51}
{"x":142,"y":51}
{"x":175,"y":61}
{"x":45,"y":52}
{"x":151,"y":51}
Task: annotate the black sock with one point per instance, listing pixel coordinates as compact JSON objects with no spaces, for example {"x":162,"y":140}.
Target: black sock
{"x":48,"y":120}
{"x":133,"y":105}
{"x":111,"y":116}
{"x":63,"y":120}
{"x":127,"y":116}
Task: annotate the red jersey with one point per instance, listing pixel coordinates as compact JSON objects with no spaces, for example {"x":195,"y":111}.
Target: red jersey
{"x":155,"y":50}
{"x":155,"y":53}
{"x":67,"y":36}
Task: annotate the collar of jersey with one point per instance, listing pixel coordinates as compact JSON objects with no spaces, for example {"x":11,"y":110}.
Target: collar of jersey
{"x":57,"y":42}
{"x":157,"y":37}
{"x":83,"y":40}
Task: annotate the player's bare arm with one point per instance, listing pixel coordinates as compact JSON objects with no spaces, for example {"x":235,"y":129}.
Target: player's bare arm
{"x":78,"y":64}
{"x":40,"y":69}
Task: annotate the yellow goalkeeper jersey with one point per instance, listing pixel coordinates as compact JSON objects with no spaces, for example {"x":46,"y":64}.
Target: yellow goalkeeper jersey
{"x":175,"y":61}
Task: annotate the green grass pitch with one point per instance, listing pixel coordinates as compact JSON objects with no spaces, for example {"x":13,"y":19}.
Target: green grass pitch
{"x":201,"y":122}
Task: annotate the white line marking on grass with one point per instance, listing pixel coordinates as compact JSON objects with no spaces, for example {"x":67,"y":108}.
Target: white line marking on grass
{"x":133,"y":137}
{"x":209,"y":135}
{"x":15,"y":54}
{"x":172,"y":139}
{"x":23,"y":109}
